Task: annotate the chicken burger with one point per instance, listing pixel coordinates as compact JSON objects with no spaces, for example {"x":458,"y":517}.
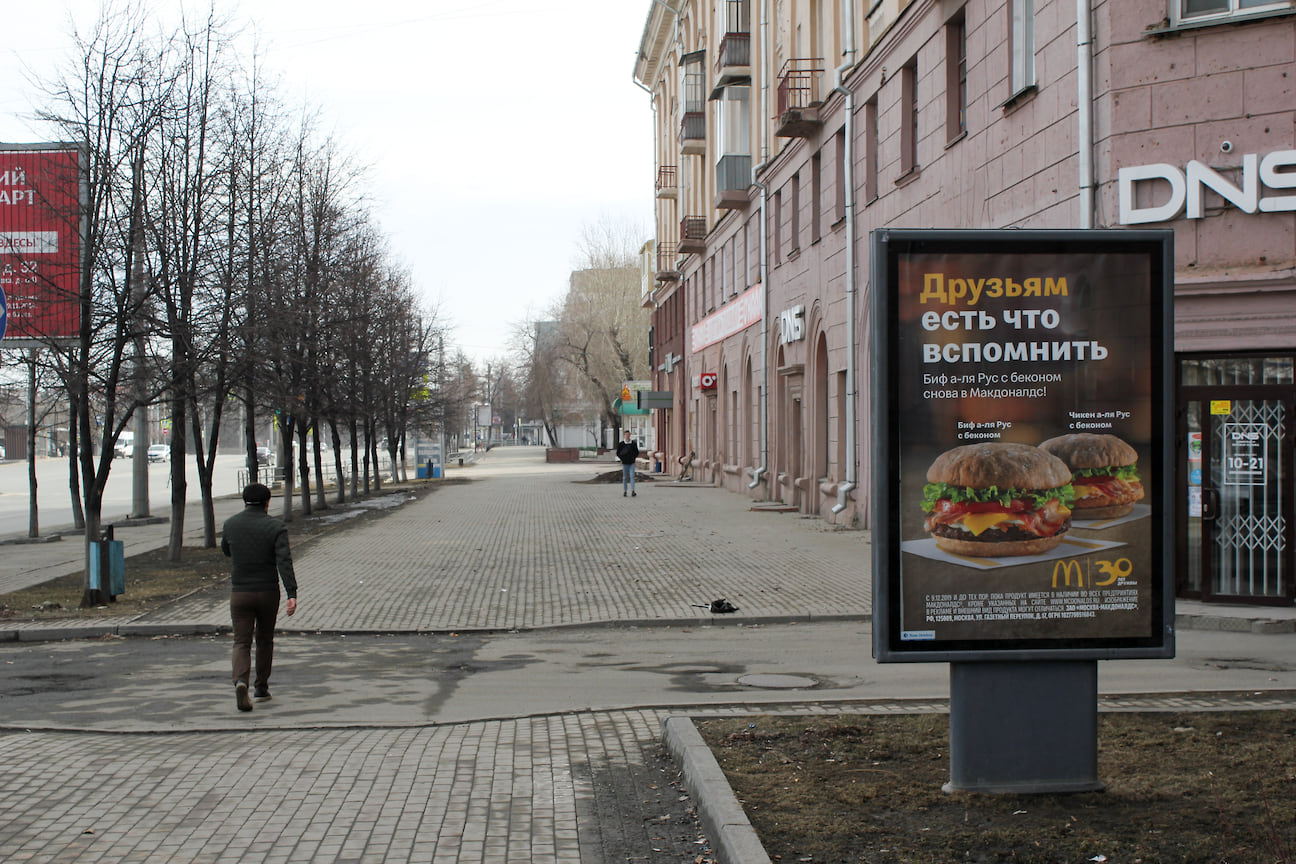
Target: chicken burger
{"x":996,"y":499}
{"x":1104,"y":473}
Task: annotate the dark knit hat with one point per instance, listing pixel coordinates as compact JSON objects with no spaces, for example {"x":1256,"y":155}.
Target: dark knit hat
{"x":256,"y":493}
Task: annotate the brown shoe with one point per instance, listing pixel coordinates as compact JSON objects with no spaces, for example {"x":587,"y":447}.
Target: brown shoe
{"x":241,"y":697}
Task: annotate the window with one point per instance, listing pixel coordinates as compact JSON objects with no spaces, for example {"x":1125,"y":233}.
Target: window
{"x":955,"y":78}
{"x":1191,"y":11}
{"x":871,"y":150}
{"x":745,"y":275}
{"x":778,"y":227}
{"x":909,"y":117}
{"x":1021,"y":45}
{"x":796,"y":212}
{"x":816,"y":180}
{"x":839,"y":181}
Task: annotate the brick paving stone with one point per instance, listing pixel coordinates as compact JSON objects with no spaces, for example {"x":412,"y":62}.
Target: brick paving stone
{"x":521,"y":549}
{"x":525,"y":546}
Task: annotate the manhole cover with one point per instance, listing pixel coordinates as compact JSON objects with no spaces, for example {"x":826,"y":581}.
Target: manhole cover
{"x":777,"y":682}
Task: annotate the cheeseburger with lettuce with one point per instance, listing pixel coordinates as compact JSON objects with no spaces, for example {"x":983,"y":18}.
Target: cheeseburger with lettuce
{"x":997,"y":499}
{"x":1103,"y":473}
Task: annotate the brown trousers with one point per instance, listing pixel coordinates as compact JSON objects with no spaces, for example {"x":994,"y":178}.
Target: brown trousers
{"x":253,"y":613}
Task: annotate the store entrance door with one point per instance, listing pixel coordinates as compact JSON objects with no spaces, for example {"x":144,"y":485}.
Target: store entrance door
{"x":1240,"y":494}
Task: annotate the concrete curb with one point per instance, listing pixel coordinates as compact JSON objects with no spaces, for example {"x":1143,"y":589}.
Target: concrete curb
{"x":1235,"y":624}
{"x":732,"y":837}
{"x":54,"y":632}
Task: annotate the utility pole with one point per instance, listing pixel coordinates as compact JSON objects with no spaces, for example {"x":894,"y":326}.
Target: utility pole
{"x":139,"y":457}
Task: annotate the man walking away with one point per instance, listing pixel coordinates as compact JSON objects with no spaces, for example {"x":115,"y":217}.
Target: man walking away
{"x":257,"y":545}
{"x":627,"y":451}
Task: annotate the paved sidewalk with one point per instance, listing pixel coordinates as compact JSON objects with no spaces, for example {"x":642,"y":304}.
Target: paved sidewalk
{"x":526,"y":546}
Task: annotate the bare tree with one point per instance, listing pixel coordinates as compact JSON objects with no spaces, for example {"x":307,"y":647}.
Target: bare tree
{"x":602,"y":328}
{"x":110,"y":103}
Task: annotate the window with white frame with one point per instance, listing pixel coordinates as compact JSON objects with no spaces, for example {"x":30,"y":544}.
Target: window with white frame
{"x":1021,"y":44}
{"x":1193,"y":11}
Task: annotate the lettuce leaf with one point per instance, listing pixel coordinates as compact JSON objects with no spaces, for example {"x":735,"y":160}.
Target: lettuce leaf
{"x":934,"y":492}
{"x":1123,"y":472}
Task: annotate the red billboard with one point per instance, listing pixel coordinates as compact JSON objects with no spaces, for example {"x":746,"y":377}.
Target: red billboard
{"x":40,"y":241}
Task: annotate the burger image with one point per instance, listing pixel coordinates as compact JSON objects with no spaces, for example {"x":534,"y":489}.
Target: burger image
{"x":1103,"y":473}
{"x":995,"y":499}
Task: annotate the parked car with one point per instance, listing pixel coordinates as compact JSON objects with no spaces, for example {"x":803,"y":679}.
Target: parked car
{"x":158,"y":452}
{"x":2,"y":453}
{"x":263,"y":455}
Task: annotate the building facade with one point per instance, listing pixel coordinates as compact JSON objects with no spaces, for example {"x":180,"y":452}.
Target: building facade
{"x":788,"y":130}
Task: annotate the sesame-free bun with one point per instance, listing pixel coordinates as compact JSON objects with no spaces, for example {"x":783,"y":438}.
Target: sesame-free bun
{"x":1019,"y":466}
{"x":1003,"y":548}
{"x":1087,"y":450}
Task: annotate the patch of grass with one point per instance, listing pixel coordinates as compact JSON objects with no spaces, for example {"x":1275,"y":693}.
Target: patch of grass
{"x":1181,"y":787}
{"x":151,"y":581}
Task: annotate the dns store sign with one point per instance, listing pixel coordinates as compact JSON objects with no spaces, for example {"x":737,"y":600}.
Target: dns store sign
{"x":706,"y":382}
{"x":1270,"y":172}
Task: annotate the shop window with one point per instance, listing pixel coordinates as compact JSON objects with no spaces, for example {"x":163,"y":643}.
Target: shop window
{"x":1236,"y":371}
{"x":1194,"y":11}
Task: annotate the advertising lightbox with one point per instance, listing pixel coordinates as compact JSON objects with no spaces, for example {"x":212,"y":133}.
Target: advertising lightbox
{"x":1022,"y":386}
{"x":40,"y":241}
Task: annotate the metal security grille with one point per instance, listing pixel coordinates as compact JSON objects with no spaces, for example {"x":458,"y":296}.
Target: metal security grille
{"x":1250,"y":529}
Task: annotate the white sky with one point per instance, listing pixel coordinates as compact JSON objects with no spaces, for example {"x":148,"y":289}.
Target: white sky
{"x":494,"y":130}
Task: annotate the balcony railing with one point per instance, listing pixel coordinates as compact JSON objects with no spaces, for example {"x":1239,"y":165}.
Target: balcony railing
{"x":667,"y":184}
{"x":666,"y":255}
{"x":693,"y":231}
{"x":798,"y":97}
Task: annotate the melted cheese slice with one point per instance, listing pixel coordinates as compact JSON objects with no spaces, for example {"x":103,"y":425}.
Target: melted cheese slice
{"x":1082,"y":491}
{"x":978,"y":523}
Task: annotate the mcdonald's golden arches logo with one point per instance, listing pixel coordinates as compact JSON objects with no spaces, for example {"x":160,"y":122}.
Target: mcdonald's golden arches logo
{"x":1067,"y":566}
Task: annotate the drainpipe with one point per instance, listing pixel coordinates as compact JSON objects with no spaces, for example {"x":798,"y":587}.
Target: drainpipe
{"x":1085,"y":109}
{"x":852,"y":298}
{"x":766,"y":53}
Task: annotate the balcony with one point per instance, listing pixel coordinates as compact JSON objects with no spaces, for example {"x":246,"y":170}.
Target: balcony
{"x":666,"y":269}
{"x":692,"y":136}
{"x":667,"y":184}
{"x":733,"y":177}
{"x":798,"y":98}
{"x":733,"y":59}
{"x":693,"y":231}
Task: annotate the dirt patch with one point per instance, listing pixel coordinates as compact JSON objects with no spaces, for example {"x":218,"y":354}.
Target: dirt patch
{"x":1181,"y":787}
{"x":152,"y":581}
{"x":615,"y":477}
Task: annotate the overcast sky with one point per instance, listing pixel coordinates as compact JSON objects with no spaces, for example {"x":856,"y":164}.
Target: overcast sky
{"x":494,"y":130}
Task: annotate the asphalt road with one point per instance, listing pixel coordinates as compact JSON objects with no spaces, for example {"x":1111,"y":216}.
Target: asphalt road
{"x":351,"y":680}
{"x":53,"y":497}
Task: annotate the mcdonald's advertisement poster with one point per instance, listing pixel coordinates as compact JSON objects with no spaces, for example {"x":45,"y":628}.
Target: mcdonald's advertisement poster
{"x":1026,"y":419}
